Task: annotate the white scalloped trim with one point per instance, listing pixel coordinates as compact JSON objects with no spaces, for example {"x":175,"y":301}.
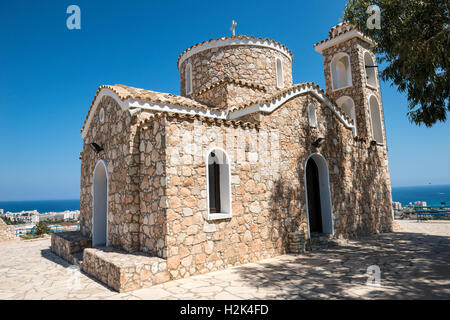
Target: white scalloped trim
{"x":233,"y":42}
{"x":275,"y":104}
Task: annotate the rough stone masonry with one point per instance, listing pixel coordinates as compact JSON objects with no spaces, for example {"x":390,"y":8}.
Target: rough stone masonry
{"x":6,"y":232}
{"x":224,"y":173}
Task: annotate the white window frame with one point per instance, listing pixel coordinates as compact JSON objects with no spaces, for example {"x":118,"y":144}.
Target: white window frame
{"x":101,"y":115}
{"x":225,"y":190}
{"x":372,"y":120}
{"x":340,"y":103}
{"x":312,"y":117}
{"x":279,"y":73}
{"x":188,"y":83}
{"x":375,"y":86}
{"x":333,"y":73}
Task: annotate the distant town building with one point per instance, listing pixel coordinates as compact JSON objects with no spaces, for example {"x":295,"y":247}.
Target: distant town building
{"x":397,"y":205}
{"x":34,"y":217}
{"x":71,"y":215}
{"x":420,"y":204}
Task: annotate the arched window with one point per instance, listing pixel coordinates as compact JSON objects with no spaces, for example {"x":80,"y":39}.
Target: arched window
{"x":188,"y":78}
{"x":348,"y":106}
{"x":279,"y":71}
{"x":369,"y":66}
{"x":218,"y":184}
{"x":101,"y":115}
{"x":375,"y":118}
{"x":341,"y":75}
{"x":312,"y":115}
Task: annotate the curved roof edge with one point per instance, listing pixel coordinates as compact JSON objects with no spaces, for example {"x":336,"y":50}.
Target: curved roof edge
{"x":129,"y":97}
{"x":233,"y":41}
{"x":132,"y":99}
{"x":280,"y":98}
{"x":341,"y":32}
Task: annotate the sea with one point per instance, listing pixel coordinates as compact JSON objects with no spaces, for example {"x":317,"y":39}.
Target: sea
{"x":41,"y":206}
{"x":433,"y":195}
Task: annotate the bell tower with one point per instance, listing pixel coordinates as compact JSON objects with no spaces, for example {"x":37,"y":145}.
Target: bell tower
{"x":351,"y":79}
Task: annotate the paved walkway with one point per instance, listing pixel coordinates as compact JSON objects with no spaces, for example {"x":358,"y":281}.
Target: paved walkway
{"x":414,"y":263}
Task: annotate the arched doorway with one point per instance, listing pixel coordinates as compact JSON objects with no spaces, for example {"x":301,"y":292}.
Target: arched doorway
{"x":318,"y":195}
{"x":313,"y":193}
{"x":100,"y":205}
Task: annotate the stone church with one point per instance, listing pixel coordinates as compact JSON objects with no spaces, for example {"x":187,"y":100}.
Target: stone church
{"x":242,"y":165}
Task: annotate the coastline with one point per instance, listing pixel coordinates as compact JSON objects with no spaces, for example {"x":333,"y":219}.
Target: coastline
{"x":42,"y":206}
{"x":432,"y":194}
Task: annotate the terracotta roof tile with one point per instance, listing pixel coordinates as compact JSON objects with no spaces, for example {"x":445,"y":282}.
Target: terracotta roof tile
{"x":213,"y":121}
{"x":281,"y":93}
{"x":337,"y":30}
{"x":125,"y":92}
{"x":277,"y":95}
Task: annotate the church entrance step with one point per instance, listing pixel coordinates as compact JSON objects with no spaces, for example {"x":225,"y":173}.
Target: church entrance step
{"x":321,"y":240}
{"x":70,"y":246}
{"x":78,"y":259}
{"x":299,"y":242}
{"x":125,"y":271}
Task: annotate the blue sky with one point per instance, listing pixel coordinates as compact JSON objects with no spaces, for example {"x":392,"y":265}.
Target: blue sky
{"x":49,"y":75}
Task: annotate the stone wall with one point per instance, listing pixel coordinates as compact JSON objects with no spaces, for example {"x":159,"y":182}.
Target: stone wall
{"x":7,"y":232}
{"x":66,"y":244}
{"x":123,"y":271}
{"x":254,"y":65}
{"x":268,"y":191}
{"x":197,"y":245}
{"x":118,"y":135}
{"x":366,"y":183}
{"x":229,"y":93}
{"x":358,"y":172}
{"x":359,"y":91}
{"x":152,"y":177}
{"x":156,"y":163}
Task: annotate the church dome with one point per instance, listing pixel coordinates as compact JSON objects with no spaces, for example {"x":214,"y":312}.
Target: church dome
{"x":254,"y":65}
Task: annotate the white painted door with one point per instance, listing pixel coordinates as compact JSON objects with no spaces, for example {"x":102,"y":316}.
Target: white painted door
{"x":99,"y":237}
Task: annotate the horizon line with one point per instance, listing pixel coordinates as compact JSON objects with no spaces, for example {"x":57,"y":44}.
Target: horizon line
{"x":78,"y":199}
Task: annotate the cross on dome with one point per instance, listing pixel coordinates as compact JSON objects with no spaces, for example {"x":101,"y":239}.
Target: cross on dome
{"x":233,"y":27}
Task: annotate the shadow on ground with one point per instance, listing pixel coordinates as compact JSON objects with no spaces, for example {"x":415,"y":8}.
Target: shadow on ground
{"x":49,"y":255}
{"x":412,"y":266}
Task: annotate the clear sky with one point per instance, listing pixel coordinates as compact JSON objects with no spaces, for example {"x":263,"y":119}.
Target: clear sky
{"x":49,"y":75}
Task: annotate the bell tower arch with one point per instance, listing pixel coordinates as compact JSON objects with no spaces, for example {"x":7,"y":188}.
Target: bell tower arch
{"x":351,"y":79}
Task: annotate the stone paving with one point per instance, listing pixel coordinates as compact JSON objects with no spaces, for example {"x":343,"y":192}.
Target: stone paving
{"x":414,"y":264}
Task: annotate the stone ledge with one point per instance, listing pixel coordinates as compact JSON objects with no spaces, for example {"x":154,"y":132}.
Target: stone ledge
{"x":66,"y":244}
{"x":124,"y":271}
{"x":7,"y":232}
{"x":297,"y":242}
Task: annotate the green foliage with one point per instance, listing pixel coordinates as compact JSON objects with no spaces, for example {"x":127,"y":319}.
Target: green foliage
{"x":29,"y":236}
{"x":414,"y":41}
{"x":40,"y":228}
{"x":8,"y":221}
